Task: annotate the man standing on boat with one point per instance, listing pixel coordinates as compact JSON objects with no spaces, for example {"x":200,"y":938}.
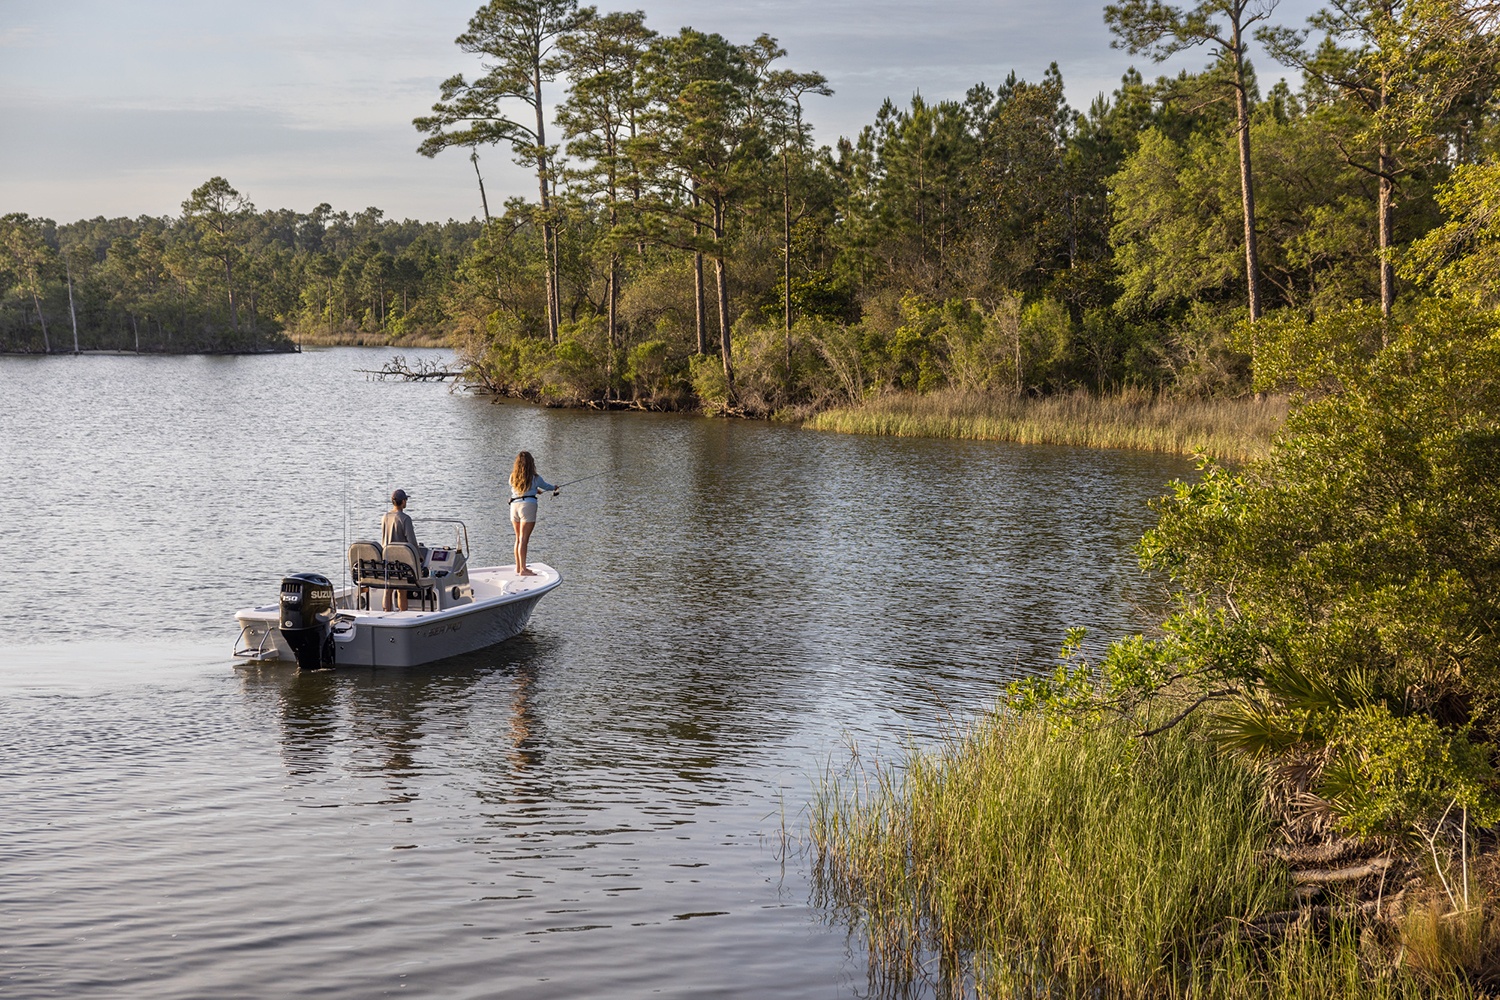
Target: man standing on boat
{"x":396,"y":526}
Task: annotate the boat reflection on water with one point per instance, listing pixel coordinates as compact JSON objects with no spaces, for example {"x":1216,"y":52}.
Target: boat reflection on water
{"x":362,"y":722}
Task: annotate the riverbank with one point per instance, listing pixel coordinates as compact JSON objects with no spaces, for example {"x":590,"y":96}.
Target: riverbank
{"x":1230,"y":429}
{"x":1040,"y":856}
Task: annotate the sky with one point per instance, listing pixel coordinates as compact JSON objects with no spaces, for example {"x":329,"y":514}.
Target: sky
{"x":121,"y":109}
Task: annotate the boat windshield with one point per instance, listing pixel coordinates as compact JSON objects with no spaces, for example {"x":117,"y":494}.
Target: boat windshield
{"x":460,"y":530}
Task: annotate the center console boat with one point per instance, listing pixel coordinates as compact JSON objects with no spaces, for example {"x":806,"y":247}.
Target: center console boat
{"x":452,"y":608}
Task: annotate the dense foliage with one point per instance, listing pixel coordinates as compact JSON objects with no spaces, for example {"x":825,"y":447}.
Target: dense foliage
{"x":689,"y":244}
{"x":1339,"y":600}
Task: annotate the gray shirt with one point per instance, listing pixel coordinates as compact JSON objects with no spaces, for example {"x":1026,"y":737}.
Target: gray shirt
{"x":396,"y":526}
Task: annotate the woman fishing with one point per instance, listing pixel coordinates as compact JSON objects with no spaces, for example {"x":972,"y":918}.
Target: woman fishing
{"x":524,"y":486}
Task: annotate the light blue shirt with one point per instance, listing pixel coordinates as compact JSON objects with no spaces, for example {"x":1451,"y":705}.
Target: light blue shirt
{"x":529,"y":495}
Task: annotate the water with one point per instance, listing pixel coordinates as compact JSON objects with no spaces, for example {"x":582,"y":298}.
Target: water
{"x":613,"y":804}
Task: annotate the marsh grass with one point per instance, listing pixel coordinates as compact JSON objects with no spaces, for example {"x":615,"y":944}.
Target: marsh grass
{"x":352,"y":337}
{"x":1029,"y":859}
{"x":1440,"y":942}
{"x":1229,"y":429}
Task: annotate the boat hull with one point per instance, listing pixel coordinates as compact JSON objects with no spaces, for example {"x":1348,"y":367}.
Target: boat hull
{"x":410,"y":638}
{"x":372,"y":644}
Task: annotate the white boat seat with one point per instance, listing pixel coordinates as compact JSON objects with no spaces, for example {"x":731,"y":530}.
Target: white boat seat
{"x":403,"y":567}
{"x":396,"y":566}
{"x":367,"y":564}
{"x":403,"y":571}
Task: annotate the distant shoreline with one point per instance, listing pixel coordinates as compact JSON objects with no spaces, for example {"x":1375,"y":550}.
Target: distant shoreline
{"x":1228,"y":429}
{"x":339,"y":340}
{"x":122,"y":352}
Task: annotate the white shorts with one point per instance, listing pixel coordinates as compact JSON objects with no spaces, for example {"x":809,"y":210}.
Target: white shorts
{"x":523,"y":511}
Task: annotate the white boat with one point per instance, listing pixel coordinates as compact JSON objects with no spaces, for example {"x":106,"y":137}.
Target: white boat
{"x":452,"y":608}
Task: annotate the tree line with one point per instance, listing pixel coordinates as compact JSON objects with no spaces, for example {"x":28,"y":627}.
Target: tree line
{"x":688,"y":243}
{"x":222,"y":277}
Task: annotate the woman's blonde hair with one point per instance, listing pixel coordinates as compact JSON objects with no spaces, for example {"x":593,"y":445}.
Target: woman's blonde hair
{"x":522,"y":473}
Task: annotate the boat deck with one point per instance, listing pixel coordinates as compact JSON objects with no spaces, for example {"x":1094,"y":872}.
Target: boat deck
{"x":490,"y":583}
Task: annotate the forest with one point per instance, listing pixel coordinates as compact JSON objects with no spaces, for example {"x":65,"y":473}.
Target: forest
{"x":221,"y":277}
{"x":689,"y":246}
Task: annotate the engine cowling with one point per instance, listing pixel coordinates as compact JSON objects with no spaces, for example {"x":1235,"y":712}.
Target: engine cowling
{"x":306,"y":618}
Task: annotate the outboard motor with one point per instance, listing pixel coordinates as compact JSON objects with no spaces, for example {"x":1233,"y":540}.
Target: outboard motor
{"x":306,"y":614}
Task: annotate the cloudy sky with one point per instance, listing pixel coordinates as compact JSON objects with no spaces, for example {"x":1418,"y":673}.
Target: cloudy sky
{"x":110,"y":108}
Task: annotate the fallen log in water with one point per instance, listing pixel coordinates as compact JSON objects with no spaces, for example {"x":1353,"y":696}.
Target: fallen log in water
{"x":424,"y":371}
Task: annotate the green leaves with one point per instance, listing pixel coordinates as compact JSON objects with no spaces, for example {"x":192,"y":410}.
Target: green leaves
{"x":514,"y":38}
{"x":1176,"y":219}
{"x":1388,"y":773}
{"x":1348,"y":586}
{"x":1461,"y":257}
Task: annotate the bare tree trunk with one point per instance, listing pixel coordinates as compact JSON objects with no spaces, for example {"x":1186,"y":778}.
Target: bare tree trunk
{"x":557,"y":284}
{"x":46,"y":341}
{"x":722,"y":274}
{"x":1385,"y":210}
{"x":1247,"y":183}
{"x":700,"y":322}
{"x":72,"y":311}
{"x":1018,"y":361}
{"x":786,"y":262}
{"x":483,"y":200}
{"x":611,"y":325}
{"x":234,"y":318}
{"x":549,"y":235}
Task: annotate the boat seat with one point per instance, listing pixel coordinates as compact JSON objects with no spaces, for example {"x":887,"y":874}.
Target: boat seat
{"x":367,"y":564}
{"x":390,"y":567}
{"x":403,"y":571}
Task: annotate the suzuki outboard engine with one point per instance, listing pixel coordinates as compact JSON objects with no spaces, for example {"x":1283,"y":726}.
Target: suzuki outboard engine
{"x":306,"y":616}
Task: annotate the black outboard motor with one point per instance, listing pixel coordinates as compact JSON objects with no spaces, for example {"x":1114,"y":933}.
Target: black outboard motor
{"x":306,"y":614}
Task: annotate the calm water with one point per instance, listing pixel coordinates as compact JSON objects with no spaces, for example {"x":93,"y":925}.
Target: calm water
{"x":610,"y":805}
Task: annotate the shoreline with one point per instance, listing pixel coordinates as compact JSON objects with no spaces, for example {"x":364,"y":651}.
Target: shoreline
{"x":1226,"y":429}
{"x":1066,"y":852}
{"x":360,"y":339}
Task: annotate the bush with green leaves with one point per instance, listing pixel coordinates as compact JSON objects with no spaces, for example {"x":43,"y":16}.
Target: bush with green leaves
{"x":1339,"y":601}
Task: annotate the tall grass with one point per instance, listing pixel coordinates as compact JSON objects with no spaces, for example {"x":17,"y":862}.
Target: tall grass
{"x":1231,"y":429}
{"x":1024,"y":859}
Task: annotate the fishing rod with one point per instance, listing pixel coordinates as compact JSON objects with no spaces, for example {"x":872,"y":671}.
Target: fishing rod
{"x":583,"y":480}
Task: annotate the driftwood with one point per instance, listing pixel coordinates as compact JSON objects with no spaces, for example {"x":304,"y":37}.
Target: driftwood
{"x":1271,"y":926}
{"x":425,"y":371}
{"x":1325,"y":876}
{"x":1322,"y":854}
